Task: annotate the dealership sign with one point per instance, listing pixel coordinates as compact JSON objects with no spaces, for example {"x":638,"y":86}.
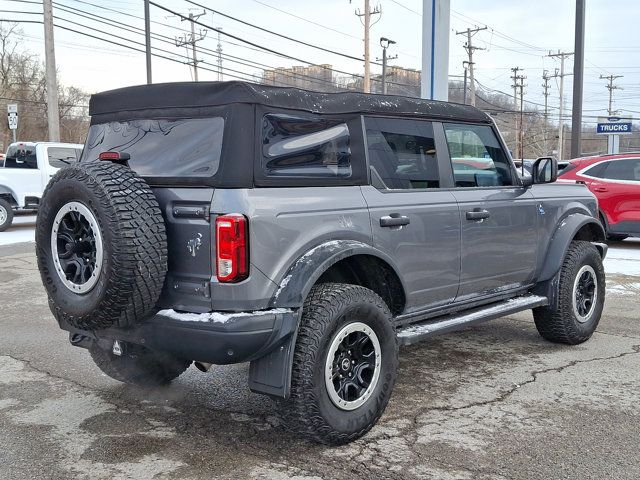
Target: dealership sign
{"x":614,"y":125}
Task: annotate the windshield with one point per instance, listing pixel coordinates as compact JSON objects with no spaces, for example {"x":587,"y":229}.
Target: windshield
{"x":21,"y":156}
{"x":161,"y":147}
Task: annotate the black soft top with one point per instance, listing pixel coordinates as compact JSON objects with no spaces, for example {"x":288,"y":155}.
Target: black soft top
{"x":180,"y":95}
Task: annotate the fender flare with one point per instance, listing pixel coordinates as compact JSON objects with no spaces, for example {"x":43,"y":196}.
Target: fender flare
{"x":271,"y":373}
{"x":304,"y":273}
{"x":565,"y":232}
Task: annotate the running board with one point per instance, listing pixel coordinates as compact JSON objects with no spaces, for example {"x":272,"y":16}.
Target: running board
{"x":423,"y":330}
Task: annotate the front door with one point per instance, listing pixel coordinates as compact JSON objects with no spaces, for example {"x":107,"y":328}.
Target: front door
{"x":413,"y":218}
{"x":498,"y":215}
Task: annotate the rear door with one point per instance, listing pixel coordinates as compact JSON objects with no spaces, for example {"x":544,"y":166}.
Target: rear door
{"x":22,"y":173}
{"x":498,"y":215}
{"x":618,"y":193}
{"x":414,"y":218}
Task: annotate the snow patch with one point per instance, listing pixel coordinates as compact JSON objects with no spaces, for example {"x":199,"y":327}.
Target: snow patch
{"x":218,"y":317}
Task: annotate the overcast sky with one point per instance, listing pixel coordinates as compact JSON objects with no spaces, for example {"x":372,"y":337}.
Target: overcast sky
{"x":520,"y":33}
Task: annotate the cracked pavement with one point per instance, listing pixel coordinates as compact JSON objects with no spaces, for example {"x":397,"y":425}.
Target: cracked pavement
{"x":490,"y":402}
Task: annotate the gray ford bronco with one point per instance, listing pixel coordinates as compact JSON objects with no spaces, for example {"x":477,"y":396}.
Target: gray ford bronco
{"x":309,"y":234}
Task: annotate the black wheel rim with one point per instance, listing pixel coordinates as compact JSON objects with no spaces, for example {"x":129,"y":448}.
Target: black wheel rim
{"x":76,"y":245}
{"x":352,"y":367}
{"x":585,"y":293}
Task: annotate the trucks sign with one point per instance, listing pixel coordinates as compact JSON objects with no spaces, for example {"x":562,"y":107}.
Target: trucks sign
{"x":614,"y":125}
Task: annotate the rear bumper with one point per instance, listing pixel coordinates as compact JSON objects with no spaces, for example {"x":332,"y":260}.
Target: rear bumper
{"x":215,"y":337}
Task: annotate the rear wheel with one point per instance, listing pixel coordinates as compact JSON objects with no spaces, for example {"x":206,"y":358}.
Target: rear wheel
{"x":345,"y":364}
{"x":6,"y":215}
{"x":575,"y":313}
{"x":138,"y":365}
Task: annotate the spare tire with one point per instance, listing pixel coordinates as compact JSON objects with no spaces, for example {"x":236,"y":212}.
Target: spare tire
{"x":101,"y":246}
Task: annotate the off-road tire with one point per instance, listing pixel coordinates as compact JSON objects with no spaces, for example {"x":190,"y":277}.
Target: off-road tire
{"x":309,"y":411}
{"x":134,"y":262}
{"x":138,"y":365}
{"x":558,"y":322}
{"x":6,"y":207}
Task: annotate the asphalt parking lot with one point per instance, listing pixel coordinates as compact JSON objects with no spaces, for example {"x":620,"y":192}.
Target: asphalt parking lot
{"x":491,"y":402}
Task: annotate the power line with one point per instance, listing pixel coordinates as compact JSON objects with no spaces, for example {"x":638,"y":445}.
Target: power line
{"x":169,"y":40}
{"x":286,"y":37}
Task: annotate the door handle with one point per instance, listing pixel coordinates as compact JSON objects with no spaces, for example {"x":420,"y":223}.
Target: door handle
{"x":478,"y":214}
{"x":394,"y":220}
{"x":600,"y":189}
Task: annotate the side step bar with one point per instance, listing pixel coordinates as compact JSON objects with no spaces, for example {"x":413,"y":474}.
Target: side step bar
{"x":423,"y":330}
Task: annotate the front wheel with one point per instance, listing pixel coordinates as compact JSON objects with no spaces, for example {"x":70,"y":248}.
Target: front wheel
{"x":345,"y":364}
{"x":575,"y":313}
{"x":6,"y":215}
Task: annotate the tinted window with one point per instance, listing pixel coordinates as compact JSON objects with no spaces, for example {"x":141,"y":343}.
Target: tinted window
{"x":477,"y":157}
{"x":402,"y":154}
{"x":162,"y":148}
{"x":21,"y":156}
{"x":623,"y":170}
{"x":305,"y":147}
{"x":61,"y":157}
{"x":597,"y":170}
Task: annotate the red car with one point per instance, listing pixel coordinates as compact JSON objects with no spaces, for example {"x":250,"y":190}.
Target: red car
{"x":615,"y":181}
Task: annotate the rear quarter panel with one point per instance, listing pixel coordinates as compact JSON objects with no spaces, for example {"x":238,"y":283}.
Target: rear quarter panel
{"x":285,"y":223}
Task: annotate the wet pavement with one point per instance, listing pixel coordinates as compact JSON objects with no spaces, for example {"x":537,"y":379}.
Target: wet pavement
{"x":491,"y":402}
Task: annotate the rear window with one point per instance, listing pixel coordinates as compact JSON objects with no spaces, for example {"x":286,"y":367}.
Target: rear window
{"x":161,"y":147}
{"x":21,"y":156}
{"x":305,"y":147}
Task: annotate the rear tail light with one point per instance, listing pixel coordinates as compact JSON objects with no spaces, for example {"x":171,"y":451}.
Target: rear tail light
{"x":232,"y":262}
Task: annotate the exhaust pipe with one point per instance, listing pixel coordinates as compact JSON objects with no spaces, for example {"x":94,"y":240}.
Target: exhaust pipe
{"x":202,"y":366}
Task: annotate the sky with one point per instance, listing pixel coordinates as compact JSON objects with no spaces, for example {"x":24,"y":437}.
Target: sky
{"x":520,"y":33}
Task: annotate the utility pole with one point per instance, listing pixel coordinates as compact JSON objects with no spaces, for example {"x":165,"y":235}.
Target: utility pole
{"x":192,"y":40}
{"x":514,"y":77}
{"x":219,"y":52}
{"x":545,"y":92}
{"x":518,"y":90}
{"x":53,"y":113}
{"x":366,"y":88}
{"x":147,"y":39}
{"x":384,"y":43}
{"x":562,"y":56}
{"x":464,"y":84}
{"x":611,"y":87}
{"x":469,"y":32}
{"x":578,"y":78}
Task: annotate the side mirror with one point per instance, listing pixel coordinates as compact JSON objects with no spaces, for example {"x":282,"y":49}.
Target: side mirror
{"x":544,"y":170}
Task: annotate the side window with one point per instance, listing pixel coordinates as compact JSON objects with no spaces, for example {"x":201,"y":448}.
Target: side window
{"x":402,"y":154}
{"x":305,"y":147}
{"x":61,"y":157}
{"x":597,"y":170}
{"x":477,"y":157}
{"x":623,"y":170}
